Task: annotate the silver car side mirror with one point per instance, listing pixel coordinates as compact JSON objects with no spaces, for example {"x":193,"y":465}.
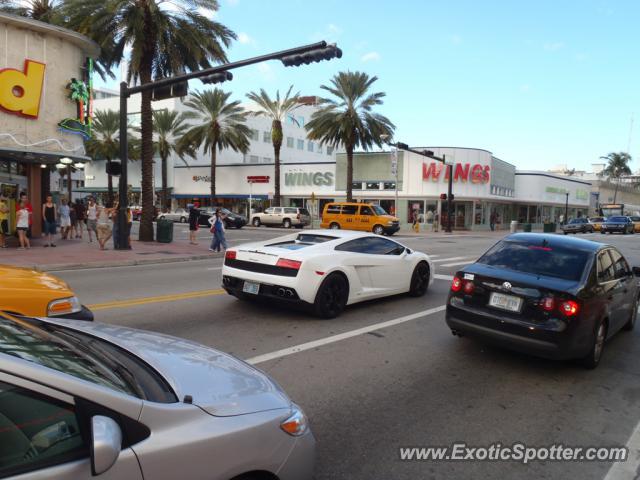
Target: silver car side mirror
{"x":106,"y":443}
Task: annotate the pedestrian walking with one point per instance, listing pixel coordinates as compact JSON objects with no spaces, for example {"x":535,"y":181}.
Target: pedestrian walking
{"x":4,"y":220}
{"x":23,"y":219}
{"x":436,"y":222}
{"x":129,"y":225}
{"x":92,"y":218}
{"x":103,"y":226}
{"x":194,"y":221}
{"x":65,"y":220}
{"x":217,"y":228}
{"x":492,"y":221}
{"x":115,"y":225}
{"x":23,"y":197}
{"x":416,"y":220}
{"x":49,"y":215}
{"x":72,"y":215}
{"x":79,"y":208}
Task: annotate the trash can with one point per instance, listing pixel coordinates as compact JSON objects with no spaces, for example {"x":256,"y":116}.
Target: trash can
{"x":164,"y":231}
{"x":526,"y":227}
{"x":549,"y":228}
{"x":514,"y":226}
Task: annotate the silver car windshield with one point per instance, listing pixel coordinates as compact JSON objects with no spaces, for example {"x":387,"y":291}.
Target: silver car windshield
{"x":81,"y":356}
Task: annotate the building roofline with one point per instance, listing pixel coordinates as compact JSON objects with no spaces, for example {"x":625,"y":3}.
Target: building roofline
{"x":536,"y":173}
{"x":90,"y":47}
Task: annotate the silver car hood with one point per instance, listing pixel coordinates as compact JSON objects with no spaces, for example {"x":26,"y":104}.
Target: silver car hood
{"x":219,"y":383}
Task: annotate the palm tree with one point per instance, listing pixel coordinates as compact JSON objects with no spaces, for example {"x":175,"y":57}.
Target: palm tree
{"x":617,"y":166}
{"x":277,"y":109}
{"x":348,"y":119}
{"x":43,"y":10}
{"x":222,"y":124}
{"x":165,"y":38}
{"x":168,"y":126}
{"x":105,"y":142}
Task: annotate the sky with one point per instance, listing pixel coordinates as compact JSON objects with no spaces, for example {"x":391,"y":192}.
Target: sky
{"x":538,"y":83}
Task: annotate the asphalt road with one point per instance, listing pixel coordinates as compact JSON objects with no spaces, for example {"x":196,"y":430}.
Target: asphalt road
{"x":370,"y":389}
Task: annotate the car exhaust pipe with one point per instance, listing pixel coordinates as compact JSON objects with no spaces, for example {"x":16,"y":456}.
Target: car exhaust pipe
{"x":289,"y":293}
{"x":455,"y":333}
{"x":281,"y":292}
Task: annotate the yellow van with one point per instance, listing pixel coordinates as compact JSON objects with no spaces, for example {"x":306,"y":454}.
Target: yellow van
{"x":359,"y":216}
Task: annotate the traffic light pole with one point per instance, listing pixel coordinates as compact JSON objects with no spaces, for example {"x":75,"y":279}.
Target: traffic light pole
{"x":126,"y":92}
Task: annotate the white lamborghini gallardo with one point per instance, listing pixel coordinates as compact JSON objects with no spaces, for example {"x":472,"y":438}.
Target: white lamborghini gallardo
{"x":325,"y":269}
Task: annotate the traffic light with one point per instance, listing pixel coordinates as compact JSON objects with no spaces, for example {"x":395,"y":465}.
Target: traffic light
{"x":402,"y":146}
{"x":317,"y":55}
{"x":179,"y":89}
{"x":217,"y":77}
{"x":114,"y":169}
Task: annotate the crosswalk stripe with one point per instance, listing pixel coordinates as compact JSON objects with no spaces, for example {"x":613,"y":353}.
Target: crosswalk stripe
{"x":449,"y":259}
{"x":455,"y":264}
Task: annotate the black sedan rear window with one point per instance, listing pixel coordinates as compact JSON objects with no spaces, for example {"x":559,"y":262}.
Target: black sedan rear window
{"x":537,"y":259}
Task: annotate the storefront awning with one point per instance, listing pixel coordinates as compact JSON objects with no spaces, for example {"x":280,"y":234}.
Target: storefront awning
{"x":39,"y":156}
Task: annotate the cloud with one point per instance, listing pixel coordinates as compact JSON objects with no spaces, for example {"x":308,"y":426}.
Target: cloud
{"x":456,"y":39}
{"x":370,"y":57}
{"x":266,"y":72}
{"x":331,"y":33}
{"x":245,"y":39}
{"x":554,"y":46}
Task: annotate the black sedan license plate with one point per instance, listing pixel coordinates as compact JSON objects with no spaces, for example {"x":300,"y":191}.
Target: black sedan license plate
{"x":505,"y":302}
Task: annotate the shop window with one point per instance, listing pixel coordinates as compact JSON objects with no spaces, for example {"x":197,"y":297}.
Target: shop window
{"x":254,"y":159}
{"x":319,"y":149}
{"x":300,"y":144}
{"x":356,"y":185}
{"x":254,"y":134}
{"x":389,"y":185}
{"x":290,"y":142}
{"x":329,"y":150}
{"x":266,"y":137}
{"x":310,"y":146}
{"x":4,"y":167}
{"x":373,"y":185}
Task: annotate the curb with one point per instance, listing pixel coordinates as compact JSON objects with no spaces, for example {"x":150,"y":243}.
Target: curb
{"x":124,"y":263}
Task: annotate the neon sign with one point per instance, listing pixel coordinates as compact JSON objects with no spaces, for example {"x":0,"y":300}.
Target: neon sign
{"x":81,"y":92}
{"x":462,"y":172}
{"x":20,"y":91}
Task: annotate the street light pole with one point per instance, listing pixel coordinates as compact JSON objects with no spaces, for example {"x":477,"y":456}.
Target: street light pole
{"x":449,"y":194}
{"x":566,"y":208}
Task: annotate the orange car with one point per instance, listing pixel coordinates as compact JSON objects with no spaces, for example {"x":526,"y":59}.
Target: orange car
{"x":36,"y":294}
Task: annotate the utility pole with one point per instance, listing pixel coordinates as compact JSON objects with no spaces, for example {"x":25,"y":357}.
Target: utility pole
{"x":449,"y":194}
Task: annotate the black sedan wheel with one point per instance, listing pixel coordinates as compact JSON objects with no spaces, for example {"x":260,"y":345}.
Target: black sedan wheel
{"x":632,"y":319}
{"x":419,"y":280}
{"x":595,"y":354}
{"x":331,"y":297}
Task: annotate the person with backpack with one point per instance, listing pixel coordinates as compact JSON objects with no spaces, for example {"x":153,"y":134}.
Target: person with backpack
{"x":217,"y":228}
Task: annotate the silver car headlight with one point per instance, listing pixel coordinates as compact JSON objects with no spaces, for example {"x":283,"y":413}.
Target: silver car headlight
{"x":63,"y":306}
{"x":297,"y":424}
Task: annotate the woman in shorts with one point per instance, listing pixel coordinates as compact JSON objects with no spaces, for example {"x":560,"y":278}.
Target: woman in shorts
{"x":22,"y":224}
{"x":103,"y":226}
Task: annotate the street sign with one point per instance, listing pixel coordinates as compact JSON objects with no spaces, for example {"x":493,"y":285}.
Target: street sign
{"x":258,"y":178}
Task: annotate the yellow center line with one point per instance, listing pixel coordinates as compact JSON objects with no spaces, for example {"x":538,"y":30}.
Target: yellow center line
{"x":159,"y":299}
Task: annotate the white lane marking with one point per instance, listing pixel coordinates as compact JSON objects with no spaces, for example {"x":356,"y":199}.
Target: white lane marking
{"x":342,"y":336}
{"x":449,"y":259}
{"x":437,"y":276}
{"x":455,"y":264}
{"x":627,"y":470}
{"x":215,"y":268}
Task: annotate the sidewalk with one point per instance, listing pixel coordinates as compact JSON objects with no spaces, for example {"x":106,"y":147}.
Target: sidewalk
{"x":76,"y":254}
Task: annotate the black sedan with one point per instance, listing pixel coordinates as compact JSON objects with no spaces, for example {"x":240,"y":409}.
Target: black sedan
{"x":578,"y":225}
{"x":547,"y":295}
{"x":620,"y":224}
{"x":232,"y":220}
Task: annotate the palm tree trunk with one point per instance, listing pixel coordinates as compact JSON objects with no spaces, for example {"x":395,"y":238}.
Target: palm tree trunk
{"x":146,"y":134}
{"x":276,"y":174}
{"x":615,"y":193}
{"x":349,"y":173}
{"x":213,"y":172}
{"x":165,"y":193}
